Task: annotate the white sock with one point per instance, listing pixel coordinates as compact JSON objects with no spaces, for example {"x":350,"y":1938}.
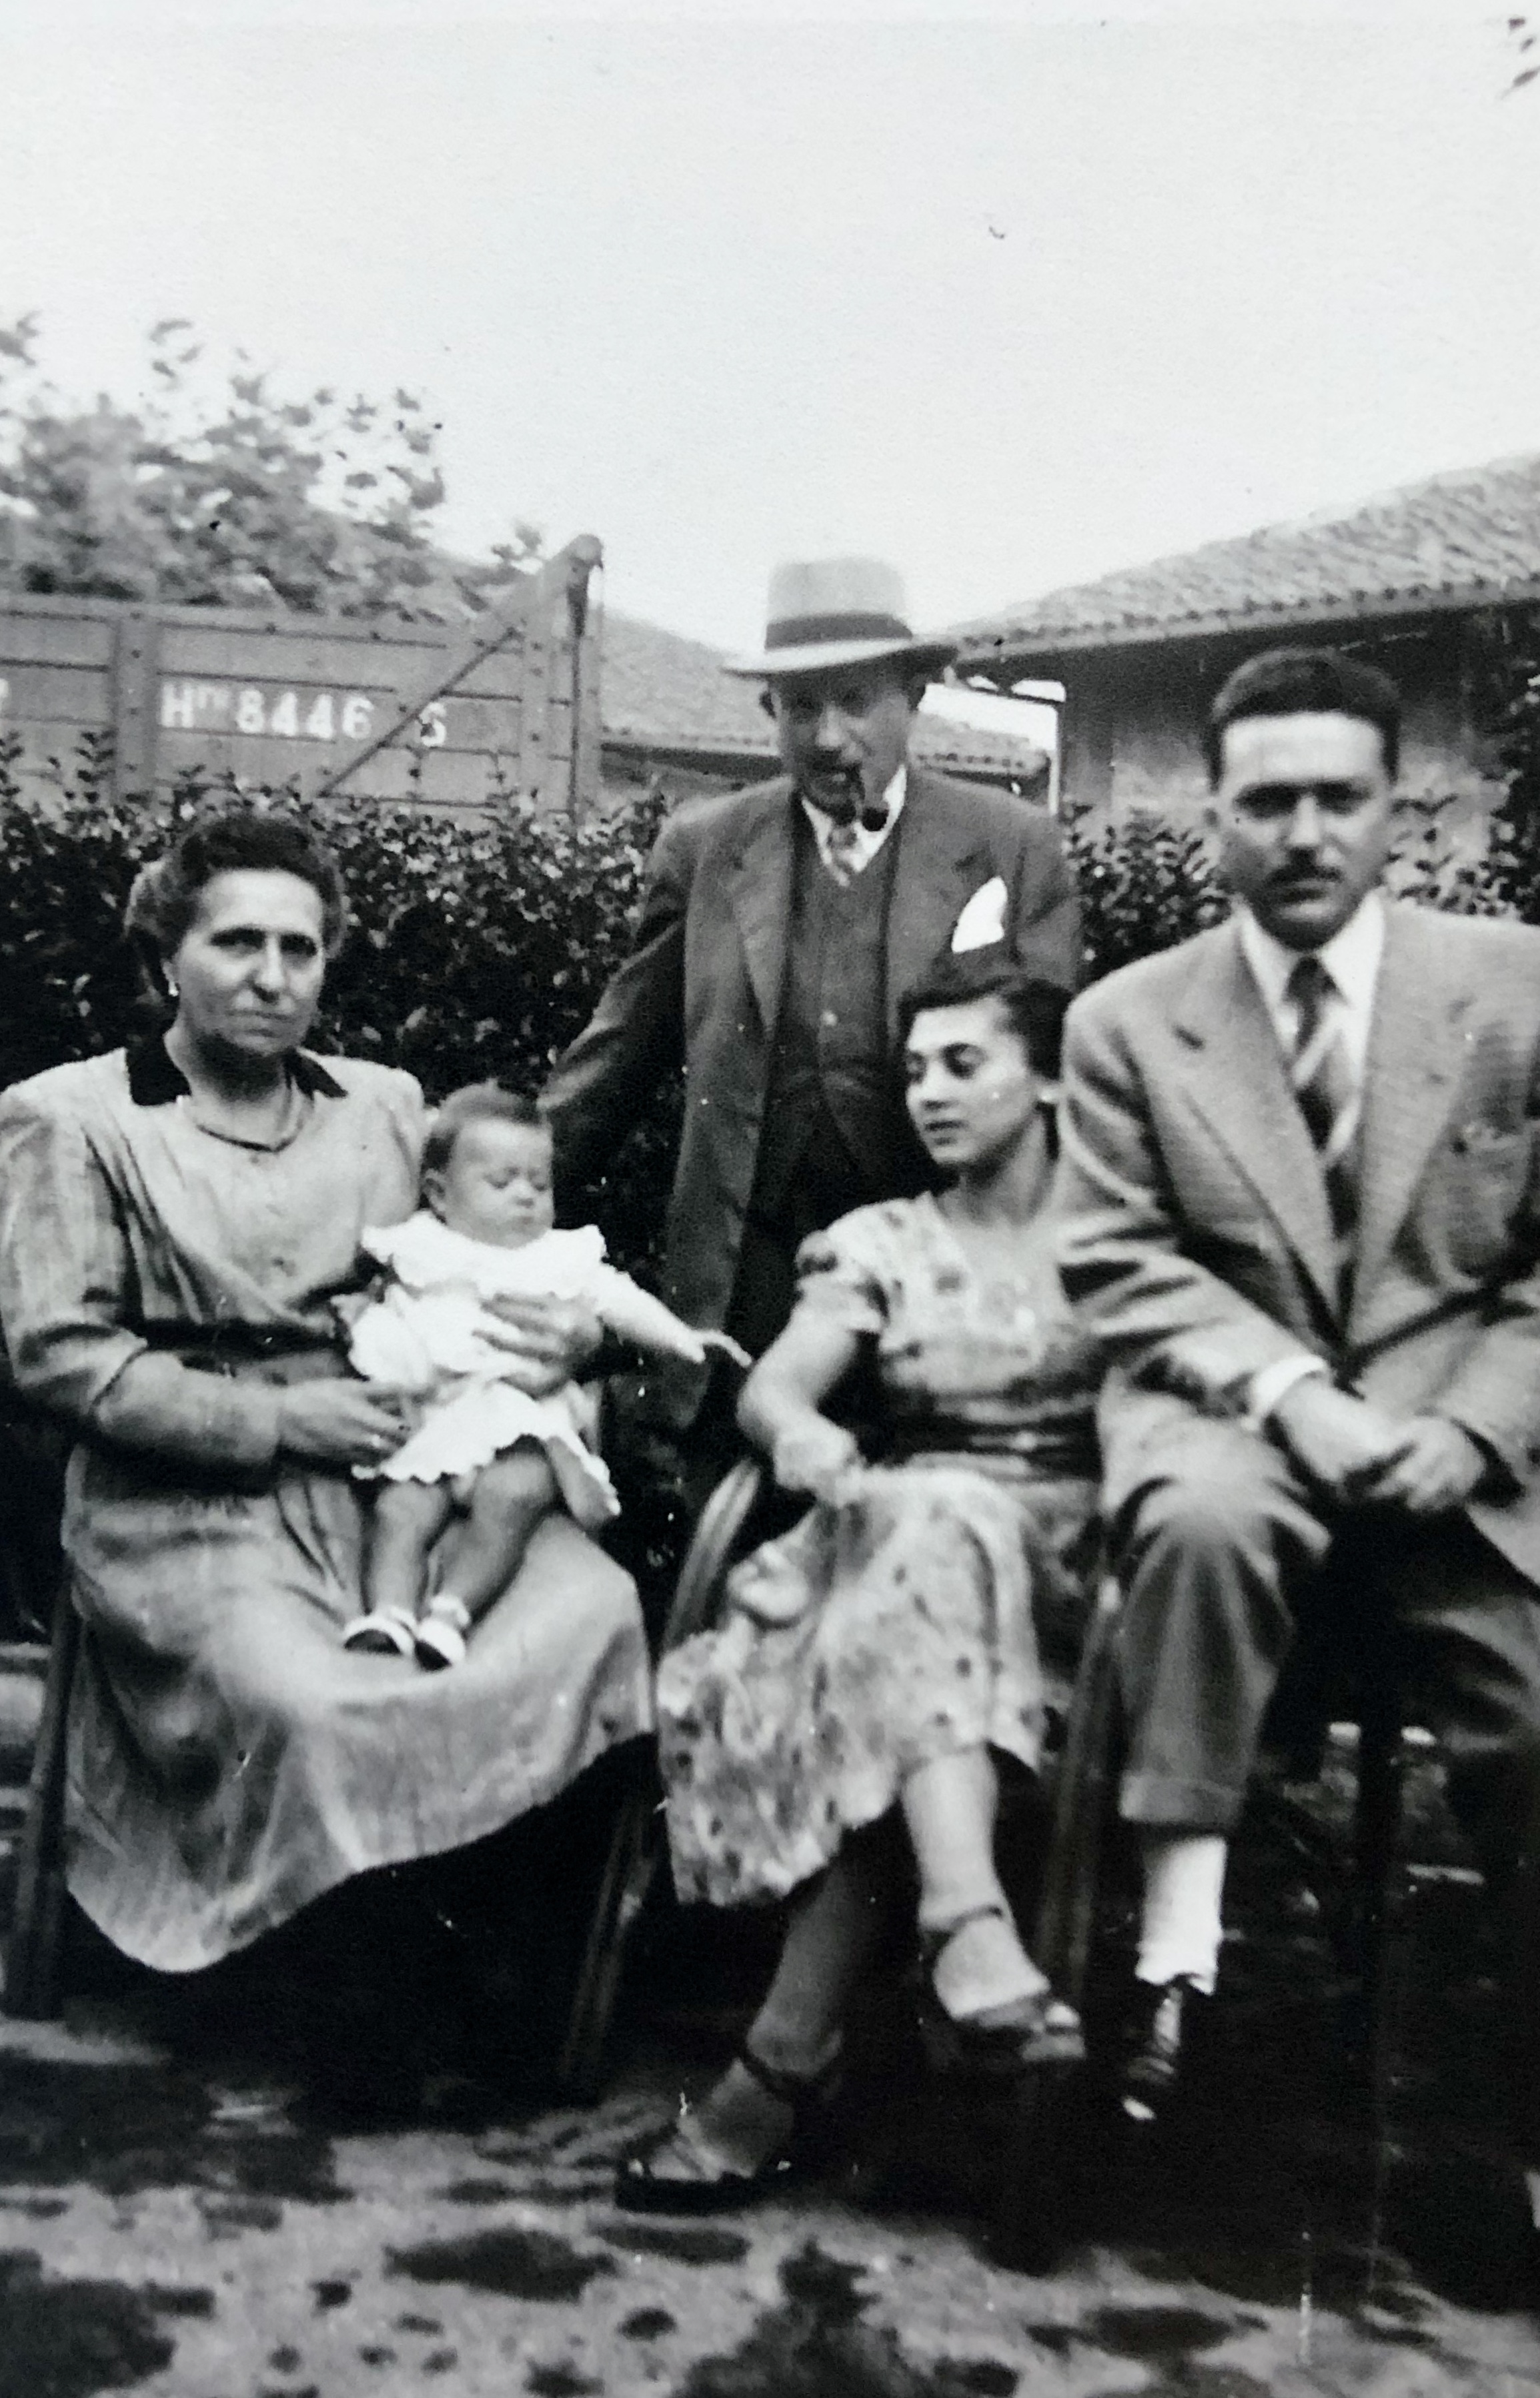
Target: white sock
{"x":1180,"y":1930}
{"x":1532,"y":2182}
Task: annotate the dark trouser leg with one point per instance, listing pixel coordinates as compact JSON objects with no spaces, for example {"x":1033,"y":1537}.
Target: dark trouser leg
{"x":762,"y":1302}
{"x":1213,"y":1551}
{"x":824,"y":1184}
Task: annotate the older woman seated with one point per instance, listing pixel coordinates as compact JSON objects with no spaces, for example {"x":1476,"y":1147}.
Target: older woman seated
{"x":882,"y":1654}
{"x":176,"y":1220}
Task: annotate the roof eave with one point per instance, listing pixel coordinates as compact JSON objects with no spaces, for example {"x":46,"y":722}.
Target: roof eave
{"x":1023,"y":653}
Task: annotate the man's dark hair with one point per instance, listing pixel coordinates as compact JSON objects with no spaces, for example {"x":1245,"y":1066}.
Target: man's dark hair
{"x":1304,"y":683}
{"x":1034,"y":1010}
{"x":478,"y":1103}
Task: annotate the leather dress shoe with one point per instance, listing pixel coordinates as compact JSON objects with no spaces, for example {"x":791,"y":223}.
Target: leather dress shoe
{"x":1160,"y":2020}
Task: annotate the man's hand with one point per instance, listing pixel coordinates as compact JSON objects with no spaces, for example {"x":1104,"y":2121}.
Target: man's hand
{"x":550,"y":1341}
{"x":811,"y":1455}
{"x":1435,"y":1467}
{"x":725,"y":1346}
{"x":1338,"y":1441}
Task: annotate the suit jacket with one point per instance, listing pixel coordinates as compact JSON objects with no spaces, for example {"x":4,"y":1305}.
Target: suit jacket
{"x":702,"y":989}
{"x":1197,"y":1239}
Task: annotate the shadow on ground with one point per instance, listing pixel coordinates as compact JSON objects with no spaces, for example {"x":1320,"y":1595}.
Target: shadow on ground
{"x":182,"y":2223}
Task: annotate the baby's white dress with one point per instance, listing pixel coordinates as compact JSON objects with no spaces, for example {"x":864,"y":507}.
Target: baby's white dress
{"x":426,"y":1332}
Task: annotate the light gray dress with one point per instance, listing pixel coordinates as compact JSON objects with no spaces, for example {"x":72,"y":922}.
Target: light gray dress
{"x":930,"y":1606}
{"x":228,"y":1760}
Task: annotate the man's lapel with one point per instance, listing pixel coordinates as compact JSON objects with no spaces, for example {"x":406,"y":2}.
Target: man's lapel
{"x":1236,"y":1081}
{"x":759,"y":880}
{"x":1409,"y":1075}
{"x":940,"y":864}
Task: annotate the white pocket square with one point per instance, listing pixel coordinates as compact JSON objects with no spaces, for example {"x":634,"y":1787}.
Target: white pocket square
{"x":982,"y":920}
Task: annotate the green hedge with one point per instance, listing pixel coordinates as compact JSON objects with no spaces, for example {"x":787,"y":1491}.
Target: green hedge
{"x":480,"y":950}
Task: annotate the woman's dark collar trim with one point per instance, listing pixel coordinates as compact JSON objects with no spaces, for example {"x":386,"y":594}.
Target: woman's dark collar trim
{"x":154,"y":1079}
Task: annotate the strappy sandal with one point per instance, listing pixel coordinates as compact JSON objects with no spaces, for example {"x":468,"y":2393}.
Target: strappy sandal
{"x":384,"y":1632}
{"x":1037,"y":2029}
{"x":440,"y":1634}
{"x":643,"y":2190}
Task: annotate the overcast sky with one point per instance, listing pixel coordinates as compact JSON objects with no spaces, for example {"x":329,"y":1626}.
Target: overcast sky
{"x":1012,"y":298}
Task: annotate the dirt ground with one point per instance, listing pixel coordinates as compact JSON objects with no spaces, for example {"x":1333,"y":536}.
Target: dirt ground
{"x":174,"y":2219}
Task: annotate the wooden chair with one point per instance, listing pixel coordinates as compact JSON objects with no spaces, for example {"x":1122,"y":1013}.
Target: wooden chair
{"x":733,"y":1519}
{"x":637,"y":1844}
{"x":1029,"y":2216}
{"x":34,"y":1955}
{"x":32,"y":1452}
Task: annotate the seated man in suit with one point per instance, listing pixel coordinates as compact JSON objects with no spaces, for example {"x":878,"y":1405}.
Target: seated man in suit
{"x":1303,"y":1211}
{"x":780,"y":929}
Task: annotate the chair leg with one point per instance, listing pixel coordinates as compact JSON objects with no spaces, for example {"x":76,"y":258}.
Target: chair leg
{"x":1381,"y":1775}
{"x":636,"y":1847}
{"x":34,"y":1958}
{"x":1067,"y":1915}
{"x":1029,"y":2226}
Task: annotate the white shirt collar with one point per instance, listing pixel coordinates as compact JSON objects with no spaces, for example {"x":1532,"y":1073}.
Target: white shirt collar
{"x":1351,"y":957}
{"x":867,"y":841}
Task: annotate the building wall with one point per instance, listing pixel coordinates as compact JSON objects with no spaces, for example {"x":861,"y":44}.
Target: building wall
{"x":1133,"y":717}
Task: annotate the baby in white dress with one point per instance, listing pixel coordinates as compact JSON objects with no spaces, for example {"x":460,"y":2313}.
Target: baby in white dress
{"x":482,"y":1446}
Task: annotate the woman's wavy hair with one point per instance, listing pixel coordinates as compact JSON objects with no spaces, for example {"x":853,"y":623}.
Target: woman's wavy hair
{"x":1035,"y":1010}
{"x":163,"y":900}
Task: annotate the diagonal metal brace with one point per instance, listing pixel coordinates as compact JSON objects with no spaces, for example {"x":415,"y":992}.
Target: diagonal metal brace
{"x":567,"y":575}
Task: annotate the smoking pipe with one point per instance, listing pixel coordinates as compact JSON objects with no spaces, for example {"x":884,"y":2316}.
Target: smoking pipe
{"x":872,"y":814}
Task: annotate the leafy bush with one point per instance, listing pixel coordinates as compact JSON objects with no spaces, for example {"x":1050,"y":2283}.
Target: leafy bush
{"x":478,"y":951}
{"x":1145,"y":884}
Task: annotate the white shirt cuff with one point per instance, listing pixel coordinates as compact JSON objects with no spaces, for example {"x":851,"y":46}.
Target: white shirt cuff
{"x":1272,"y":1385}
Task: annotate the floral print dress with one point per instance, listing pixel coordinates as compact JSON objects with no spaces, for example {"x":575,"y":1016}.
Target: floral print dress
{"x":909,"y":1617}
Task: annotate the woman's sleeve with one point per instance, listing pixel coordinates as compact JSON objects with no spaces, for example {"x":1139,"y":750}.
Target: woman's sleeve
{"x":66,"y":1281}
{"x":840,"y":1274}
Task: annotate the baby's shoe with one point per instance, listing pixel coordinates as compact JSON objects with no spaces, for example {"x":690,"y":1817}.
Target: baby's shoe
{"x":440,"y":1632}
{"x":383,"y":1632}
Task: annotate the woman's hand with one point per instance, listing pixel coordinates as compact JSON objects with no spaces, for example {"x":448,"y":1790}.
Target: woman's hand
{"x":550,"y":1341}
{"x":341,"y":1423}
{"x":812,"y":1454}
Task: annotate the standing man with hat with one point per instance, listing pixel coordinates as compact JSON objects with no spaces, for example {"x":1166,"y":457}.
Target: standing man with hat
{"x":779,"y":929}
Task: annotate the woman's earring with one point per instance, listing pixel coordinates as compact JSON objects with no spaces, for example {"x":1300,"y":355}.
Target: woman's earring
{"x":171,"y":987}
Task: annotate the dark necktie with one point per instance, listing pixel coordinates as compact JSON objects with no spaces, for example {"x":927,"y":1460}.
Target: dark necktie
{"x":1328,"y":1095}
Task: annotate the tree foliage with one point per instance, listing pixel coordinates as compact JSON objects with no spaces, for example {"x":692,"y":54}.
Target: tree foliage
{"x":218,"y":491}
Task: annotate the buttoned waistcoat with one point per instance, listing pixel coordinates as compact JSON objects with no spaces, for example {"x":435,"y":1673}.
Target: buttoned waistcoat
{"x":703,"y":986}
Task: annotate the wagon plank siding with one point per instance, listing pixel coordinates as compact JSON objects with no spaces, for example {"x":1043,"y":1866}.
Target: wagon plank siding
{"x":279,"y":699}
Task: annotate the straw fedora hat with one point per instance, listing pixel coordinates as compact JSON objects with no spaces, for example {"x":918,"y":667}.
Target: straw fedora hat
{"x":837,"y":611}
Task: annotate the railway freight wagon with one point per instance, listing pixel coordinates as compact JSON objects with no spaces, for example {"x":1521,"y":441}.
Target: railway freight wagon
{"x":500,"y":711}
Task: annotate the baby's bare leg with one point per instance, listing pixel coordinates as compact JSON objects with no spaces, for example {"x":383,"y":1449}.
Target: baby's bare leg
{"x":509,"y":1499}
{"x":403,"y":1522}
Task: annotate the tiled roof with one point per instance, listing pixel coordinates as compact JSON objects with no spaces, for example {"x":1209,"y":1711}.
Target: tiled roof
{"x":662,"y":693}
{"x":1470,"y":538}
